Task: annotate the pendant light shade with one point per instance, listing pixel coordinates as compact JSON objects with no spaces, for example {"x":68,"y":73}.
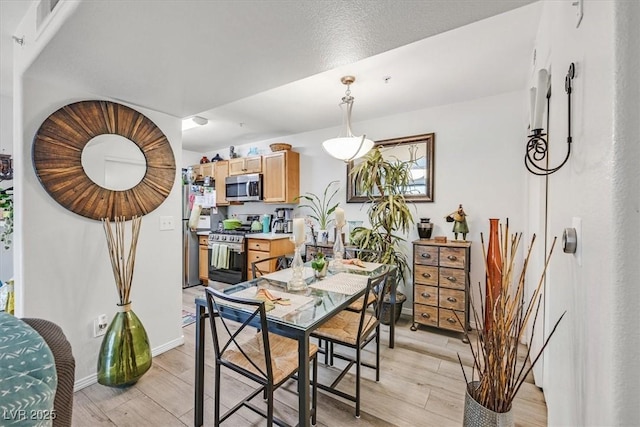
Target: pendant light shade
{"x":346,"y":146}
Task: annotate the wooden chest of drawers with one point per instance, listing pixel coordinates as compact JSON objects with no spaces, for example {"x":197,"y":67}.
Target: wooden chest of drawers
{"x":441,"y":284}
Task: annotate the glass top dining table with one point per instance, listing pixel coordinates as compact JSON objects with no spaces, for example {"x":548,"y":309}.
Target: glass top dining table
{"x":309,"y":309}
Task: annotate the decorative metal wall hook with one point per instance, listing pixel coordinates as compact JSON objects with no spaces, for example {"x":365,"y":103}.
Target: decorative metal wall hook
{"x":537,"y":146}
{"x":19,"y":40}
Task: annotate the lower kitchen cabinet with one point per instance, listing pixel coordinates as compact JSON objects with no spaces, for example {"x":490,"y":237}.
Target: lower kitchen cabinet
{"x":258,"y":249}
{"x":203,"y":259}
{"x":441,"y":284}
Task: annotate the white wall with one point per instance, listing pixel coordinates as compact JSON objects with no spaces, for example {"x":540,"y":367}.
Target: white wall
{"x":65,"y":272}
{"x":478,"y":162}
{"x":591,"y":369}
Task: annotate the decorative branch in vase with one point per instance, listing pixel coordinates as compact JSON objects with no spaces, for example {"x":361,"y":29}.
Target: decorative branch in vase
{"x":125,"y":353}
{"x":495,"y":348}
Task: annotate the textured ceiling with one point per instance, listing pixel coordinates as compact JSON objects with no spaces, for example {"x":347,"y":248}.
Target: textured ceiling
{"x":274,"y":66}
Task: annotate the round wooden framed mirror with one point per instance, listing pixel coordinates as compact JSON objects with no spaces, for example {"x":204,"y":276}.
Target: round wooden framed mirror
{"x":57,"y":158}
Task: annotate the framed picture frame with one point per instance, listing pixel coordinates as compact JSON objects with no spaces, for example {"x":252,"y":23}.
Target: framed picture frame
{"x":416,"y":149}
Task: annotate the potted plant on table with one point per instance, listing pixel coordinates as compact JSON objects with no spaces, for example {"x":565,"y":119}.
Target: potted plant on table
{"x":497,"y":375}
{"x":319,"y":265}
{"x":322,"y":208}
{"x":384,"y":182}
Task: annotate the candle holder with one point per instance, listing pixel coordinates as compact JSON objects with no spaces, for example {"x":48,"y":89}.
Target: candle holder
{"x":297,"y":282}
{"x":338,"y":250}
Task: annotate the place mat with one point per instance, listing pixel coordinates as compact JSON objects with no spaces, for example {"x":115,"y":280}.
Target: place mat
{"x":297,"y":301}
{"x":342,"y":283}
{"x":285,"y":275}
{"x":368,"y":266}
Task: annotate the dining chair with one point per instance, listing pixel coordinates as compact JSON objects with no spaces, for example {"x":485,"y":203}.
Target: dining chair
{"x":354,"y":330}
{"x":266,"y":358}
{"x":368,"y":255}
{"x":271,"y":264}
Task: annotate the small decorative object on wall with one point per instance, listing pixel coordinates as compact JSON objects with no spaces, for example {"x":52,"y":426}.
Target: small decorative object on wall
{"x":57,"y":158}
{"x":417,"y":152}
{"x":497,"y":373}
{"x":125,"y":353}
{"x":459,"y":219}
{"x":537,"y":146}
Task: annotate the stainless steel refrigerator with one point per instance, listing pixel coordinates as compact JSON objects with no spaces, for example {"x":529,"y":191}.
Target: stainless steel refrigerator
{"x":190,"y":249}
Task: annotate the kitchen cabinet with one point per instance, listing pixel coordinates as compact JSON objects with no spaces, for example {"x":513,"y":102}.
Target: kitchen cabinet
{"x":245,"y":165}
{"x":258,"y":249}
{"x":441,"y":284}
{"x":202,"y":170}
{"x":221,"y":172}
{"x":203,"y":259}
{"x":281,"y":177}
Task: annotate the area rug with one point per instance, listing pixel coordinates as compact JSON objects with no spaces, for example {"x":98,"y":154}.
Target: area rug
{"x":188,"y":318}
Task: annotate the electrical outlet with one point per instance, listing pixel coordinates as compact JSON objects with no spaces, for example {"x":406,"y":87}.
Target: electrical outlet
{"x":166,"y":223}
{"x":100,"y":325}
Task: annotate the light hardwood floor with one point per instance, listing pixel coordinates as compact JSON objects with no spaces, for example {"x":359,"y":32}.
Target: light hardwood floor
{"x":421,"y":384}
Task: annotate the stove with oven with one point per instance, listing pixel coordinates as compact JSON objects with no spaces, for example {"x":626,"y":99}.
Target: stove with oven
{"x":228,"y":254}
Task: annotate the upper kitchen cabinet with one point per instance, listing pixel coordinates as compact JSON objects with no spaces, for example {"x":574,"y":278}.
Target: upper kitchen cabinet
{"x":281,"y":174}
{"x":245,"y":165}
{"x":202,"y":170}
{"x":221,"y":172}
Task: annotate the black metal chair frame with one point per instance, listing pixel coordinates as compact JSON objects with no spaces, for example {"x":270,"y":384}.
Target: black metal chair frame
{"x":282,"y":262}
{"x":374,"y":284}
{"x":265,"y":379}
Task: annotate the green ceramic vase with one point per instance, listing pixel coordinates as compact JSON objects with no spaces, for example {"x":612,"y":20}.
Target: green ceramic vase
{"x":125,"y":353}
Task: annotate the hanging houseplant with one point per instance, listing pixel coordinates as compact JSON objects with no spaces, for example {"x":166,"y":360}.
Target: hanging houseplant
{"x":125,"y":353}
{"x":384,"y":182}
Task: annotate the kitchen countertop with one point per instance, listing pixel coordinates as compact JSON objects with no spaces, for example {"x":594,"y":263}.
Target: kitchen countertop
{"x":269,"y":236}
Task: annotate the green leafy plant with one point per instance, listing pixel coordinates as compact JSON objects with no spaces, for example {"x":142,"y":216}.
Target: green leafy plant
{"x":318,"y":262}
{"x":323,"y":207}
{"x":6,"y":205}
{"x":384,"y":183}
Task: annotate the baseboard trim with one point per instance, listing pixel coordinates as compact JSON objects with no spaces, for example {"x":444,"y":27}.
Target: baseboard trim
{"x":93,"y":378}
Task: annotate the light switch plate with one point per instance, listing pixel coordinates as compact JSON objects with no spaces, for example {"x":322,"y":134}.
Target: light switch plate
{"x":166,"y":223}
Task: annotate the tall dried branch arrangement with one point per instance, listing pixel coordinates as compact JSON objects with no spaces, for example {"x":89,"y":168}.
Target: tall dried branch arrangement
{"x":122,"y":262}
{"x":495,"y":352}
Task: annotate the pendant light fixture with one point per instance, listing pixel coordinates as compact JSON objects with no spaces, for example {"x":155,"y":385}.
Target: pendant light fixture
{"x":346,"y":146}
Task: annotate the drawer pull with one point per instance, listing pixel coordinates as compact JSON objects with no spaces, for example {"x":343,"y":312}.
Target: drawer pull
{"x":452,"y":299}
{"x":426,"y":315}
{"x":452,"y":257}
{"x":425,"y":255}
{"x":452,"y":320}
{"x":425,"y":295}
{"x":452,"y":279}
{"x":426,"y":275}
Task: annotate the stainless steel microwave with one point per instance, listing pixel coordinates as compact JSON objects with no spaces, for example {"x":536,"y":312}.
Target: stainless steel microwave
{"x":244,"y":188}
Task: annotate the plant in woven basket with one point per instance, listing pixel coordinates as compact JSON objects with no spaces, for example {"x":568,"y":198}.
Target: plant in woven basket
{"x":495,"y":350}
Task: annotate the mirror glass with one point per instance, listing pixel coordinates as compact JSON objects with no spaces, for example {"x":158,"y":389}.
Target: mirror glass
{"x":418,"y":151}
{"x":113,"y":162}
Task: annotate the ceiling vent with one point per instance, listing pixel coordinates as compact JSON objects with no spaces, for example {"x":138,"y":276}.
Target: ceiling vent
{"x":45,"y":7}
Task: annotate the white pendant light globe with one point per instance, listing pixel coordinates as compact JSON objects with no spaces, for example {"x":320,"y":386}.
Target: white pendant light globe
{"x":346,"y":146}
